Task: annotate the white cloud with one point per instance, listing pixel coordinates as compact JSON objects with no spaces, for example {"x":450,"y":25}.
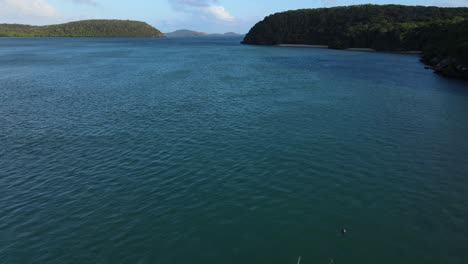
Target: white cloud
{"x":219,"y":12}
{"x":207,"y":9}
{"x":190,"y":2}
{"x":33,"y":8}
{"x":37,"y":12}
{"x":86,"y":2}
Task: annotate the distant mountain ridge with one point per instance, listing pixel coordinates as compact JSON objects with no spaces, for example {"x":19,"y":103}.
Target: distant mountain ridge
{"x":192,"y":33}
{"x":84,"y":28}
{"x":185,"y":33}
{"x":228,"y":34}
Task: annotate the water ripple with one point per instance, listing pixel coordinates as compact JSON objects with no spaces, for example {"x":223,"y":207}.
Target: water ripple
{"x":227,"y":153}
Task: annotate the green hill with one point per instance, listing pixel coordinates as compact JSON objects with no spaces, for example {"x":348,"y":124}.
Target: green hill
{"x":85,"y":28}
{"x":440,"y":33}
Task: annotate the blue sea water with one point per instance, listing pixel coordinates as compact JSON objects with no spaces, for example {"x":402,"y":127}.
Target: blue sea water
{"x":203,"y":150}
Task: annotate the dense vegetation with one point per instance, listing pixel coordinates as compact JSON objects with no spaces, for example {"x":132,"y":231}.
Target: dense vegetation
{"x":440,"y":33}
{"x":85,"y":28}
{"x":445,"y":47}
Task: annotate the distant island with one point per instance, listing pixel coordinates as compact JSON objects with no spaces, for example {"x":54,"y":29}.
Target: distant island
{"x":84,"y":28}
{"x":441,"y":34}
{"x":192,"y":33}
{"x":227,"y":34}
{"x":185,"y":33}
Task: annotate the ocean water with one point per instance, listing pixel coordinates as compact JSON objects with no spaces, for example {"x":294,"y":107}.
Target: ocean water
{"x":207,"y":151}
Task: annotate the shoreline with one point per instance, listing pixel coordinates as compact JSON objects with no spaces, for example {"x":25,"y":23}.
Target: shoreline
{"x":414,"y":52}
{"x":303,"y":46}
{"x":361,"y":49}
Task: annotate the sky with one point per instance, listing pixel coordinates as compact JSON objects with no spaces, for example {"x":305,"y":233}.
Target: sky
{"x":212,"y":16}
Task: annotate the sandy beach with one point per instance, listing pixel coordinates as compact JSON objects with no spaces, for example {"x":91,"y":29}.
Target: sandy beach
{"x":303,"y":46}
{"x":360,"y":49}
{"x":348,"y":49}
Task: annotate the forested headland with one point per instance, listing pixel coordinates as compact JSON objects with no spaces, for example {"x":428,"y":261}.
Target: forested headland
{"x":85,"y":28}
{"x":440,"y":33}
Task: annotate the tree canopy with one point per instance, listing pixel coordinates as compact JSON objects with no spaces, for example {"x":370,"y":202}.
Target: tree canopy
{"x":85,"y":28}
{"x":440,"y":33}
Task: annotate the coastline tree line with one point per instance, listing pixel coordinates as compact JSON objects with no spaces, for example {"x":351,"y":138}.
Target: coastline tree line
{"x":440,"y":33}
{"x":85,"y":28}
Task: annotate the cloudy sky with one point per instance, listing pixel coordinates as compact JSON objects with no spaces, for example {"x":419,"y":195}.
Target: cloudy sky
{"x":167,"y":15}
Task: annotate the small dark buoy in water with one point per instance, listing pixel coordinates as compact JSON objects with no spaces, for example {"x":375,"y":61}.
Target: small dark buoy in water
{"x":343,"y":231}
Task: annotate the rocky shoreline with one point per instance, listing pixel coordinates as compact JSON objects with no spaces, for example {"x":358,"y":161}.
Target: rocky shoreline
{"x":449,"y":66}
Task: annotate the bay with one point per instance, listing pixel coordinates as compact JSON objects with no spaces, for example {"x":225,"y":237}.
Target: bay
{"x":202,"y":150}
